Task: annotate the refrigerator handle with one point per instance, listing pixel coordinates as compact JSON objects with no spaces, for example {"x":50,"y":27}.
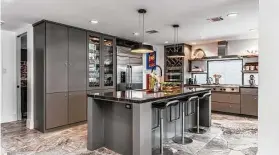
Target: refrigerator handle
{"x":127,"y":77}
{"x":131,"y":75}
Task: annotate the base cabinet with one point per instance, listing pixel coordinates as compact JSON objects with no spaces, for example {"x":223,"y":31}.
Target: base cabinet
{"x":77,"y":107}
{"x":56,"y":110}
{"x":249,"y":101}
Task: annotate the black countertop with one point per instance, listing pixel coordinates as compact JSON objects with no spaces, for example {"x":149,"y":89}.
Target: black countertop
{"x":248,"y":86}
{"x":142,"y":96}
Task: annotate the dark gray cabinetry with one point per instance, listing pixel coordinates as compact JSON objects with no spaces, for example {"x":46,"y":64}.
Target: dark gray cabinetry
{"x":101,"y":61}
{"x":249,"y":101}
{"x":59,"y":75}
{"x":77,"y":106}
{"x":77,"y":60}
{"x":226,"y":102}
{"x":56,"y":58}
{"x":56,"y":110}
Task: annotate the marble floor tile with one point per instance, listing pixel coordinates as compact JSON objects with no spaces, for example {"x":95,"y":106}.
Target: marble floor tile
{"x":229,"y":135}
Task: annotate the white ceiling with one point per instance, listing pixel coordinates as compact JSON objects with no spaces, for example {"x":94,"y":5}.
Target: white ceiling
{"x":120,"y":18}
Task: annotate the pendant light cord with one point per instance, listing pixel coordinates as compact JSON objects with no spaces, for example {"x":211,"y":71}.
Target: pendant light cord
{"x":142,"y":28}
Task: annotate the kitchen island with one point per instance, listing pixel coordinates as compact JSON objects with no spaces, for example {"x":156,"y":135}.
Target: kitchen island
{"x":125,"y":122}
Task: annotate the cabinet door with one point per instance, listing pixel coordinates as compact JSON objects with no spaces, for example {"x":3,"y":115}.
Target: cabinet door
{"x":77,"y":106}
{"x":56,"y":110}
{"x":108,"y":62}
{"x":77,"y":60}
{"x":249,"y":105}
{"x":93,"y":61}
{"x":56,"y":58}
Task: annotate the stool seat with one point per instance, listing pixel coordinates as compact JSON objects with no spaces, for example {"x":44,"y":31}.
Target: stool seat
{"x":159,"y":104}
{"x":164,"y":104}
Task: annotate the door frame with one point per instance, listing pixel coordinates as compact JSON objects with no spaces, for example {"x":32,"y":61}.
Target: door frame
{"x":18,"y":74}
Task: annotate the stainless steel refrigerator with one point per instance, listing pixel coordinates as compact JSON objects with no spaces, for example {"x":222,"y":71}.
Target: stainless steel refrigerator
{"x":129,"y":69}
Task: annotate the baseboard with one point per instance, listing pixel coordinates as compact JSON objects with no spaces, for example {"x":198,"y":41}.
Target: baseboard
{"x":29,"y":124}
{"x":8,"y":118}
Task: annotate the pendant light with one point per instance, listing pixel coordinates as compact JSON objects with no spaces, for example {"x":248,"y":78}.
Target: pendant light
{"x":176,"y":53}
{"x":142,"y":48}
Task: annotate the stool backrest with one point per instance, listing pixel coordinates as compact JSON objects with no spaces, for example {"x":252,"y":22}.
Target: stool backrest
{"x":172,"y":102}
{"x":193,"y":98}
{"x":205,"y":95}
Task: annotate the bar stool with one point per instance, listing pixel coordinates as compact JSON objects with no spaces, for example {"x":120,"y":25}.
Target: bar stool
{"x":162,"y":105}
{"x":197,"y":129}
{"x":182,"y":139}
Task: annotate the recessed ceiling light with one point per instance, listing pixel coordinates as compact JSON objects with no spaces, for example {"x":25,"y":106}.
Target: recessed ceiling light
{"x":135,"y":33}
{"x":166,"y":42}
{"x":94,"y":21}
{"x":251,"y":30}
{"x":232,"y":14}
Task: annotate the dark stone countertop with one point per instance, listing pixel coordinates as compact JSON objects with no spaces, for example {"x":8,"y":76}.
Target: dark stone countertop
{"x":248,"y":86}
{"x":142,"y":96}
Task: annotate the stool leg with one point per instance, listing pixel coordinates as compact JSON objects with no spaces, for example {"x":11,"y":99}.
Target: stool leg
{"x":183,"y":123}
{"x":198,"y":116}
{"x":161,"y":131}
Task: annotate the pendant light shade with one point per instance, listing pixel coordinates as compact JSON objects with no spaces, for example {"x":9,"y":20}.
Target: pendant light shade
{"x":176,"y":52}
{"x":142,"y":48}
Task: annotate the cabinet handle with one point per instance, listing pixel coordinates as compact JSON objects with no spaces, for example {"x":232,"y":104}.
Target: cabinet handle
{"x":66,"y":63}
{"x":65,"y":95}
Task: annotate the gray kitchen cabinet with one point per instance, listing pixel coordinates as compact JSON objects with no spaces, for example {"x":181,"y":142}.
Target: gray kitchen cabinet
{"x":249,"y":105}
{"x":226,"y":102}
{"x":77,"y":59}
{"x":56,"y":58}
{"x":67,"y":61}
{"x":101,"y":61}
{"x":249,"y":101}
{"x":56,"y":110}
{"x":93,"y":61}
{"x":108,"y":62}
{"x":77,"y":106}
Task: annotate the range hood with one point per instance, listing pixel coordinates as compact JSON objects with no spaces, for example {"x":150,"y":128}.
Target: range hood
{"x":223,"y":52}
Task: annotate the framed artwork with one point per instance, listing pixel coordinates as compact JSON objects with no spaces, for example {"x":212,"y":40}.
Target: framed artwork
{"x":150,"y":60}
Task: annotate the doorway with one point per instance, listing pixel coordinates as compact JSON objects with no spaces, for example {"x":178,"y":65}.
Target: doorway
{"x":22,"y":77}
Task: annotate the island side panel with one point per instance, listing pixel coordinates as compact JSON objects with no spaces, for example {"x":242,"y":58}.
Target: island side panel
{"x":118,"y":127}
{"x":205,"y":112}
{"x":95,"y":121}
{"x":142,"y":129}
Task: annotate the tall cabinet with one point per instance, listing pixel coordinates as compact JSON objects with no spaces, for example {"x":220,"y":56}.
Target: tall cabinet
{"x":101,"y":62}
{"x":60,"y":75}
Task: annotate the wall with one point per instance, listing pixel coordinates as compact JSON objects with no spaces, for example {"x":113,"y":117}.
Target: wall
{"x":8,"y":50}
{"x":235,"y":47}
{"x":30,"y":75}
{"x":210,"y":49}
{"x":268,"y":76}
{"x":159,"y":61}
{"x":239,"y":47}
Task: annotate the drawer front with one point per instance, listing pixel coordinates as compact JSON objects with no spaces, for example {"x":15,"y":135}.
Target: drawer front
{"x":251,"y":91}
{"x":249,"y":105}
{"x":226,"y":97}
{"x":225,"y":107}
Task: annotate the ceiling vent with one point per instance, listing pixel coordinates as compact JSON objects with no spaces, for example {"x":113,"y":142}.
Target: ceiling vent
{"x":215,"y":19}
{"x":152,"y":31}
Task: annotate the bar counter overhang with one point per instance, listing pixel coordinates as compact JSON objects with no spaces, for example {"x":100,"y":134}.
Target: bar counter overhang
{"x":125,"y":122}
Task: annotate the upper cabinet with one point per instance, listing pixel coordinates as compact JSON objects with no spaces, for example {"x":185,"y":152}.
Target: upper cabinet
{"x":56,"y":58}
{"x":108,"y":62}
{"x":101,"y":61}
{"x":93,"y":61}
{"x":77,"y":59}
